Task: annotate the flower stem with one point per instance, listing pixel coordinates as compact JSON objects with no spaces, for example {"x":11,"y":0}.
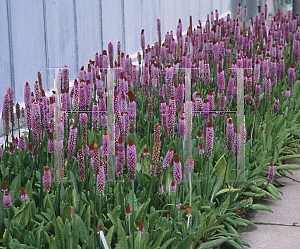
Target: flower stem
{"x":132,"y":213}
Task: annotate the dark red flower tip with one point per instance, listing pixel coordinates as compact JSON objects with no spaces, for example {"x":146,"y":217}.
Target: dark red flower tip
{"x":173,"y":184}
{"x":130,"y":142}
{"x":100,"y":228}
{"x":128,"y":208}
{"x":220,"y":69}
{"x":4,"y":186}
{"x":230,"y":121}
{"x":201,"y":146}
{"x":182,"y":207}
{"x":288,"y":89}
{"x":171,"y":149}
{"x":160,"y":185}
{"x":168,"y":216}
{"x":27,"y":84}
{"x":120,"y":140}
{"x":209,"y":124}
{"x":176,"y":158}
{"x":292,"y":66}
{"x":47,"y":168}
{"x":142,"y":155}
{"x":22,"y":191}
{"x":272,"y":164}
{"x":206,"y":100}
{"x":51,"y":100}
{"x":141,"y":229}
{"x":172,"y":97}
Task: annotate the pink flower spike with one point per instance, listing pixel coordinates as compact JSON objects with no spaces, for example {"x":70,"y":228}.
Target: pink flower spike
{"x":6,"y":200}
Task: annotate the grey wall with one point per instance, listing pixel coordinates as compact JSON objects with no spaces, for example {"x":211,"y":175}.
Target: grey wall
{"x":35,"y":34}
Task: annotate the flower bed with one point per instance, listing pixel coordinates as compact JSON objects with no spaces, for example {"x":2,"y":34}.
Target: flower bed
{"x":166,"y":173}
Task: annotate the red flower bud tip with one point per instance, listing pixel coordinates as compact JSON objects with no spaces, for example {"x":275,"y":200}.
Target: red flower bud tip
{"x":130,"y":142}
{"x":142,"y":155}
{"x":176,"y":158}
{"x":172,"y":97}
{"x":173,"y":183}
{"x":141,"y":226}
{"x":69,"y":219}
{"x":4,"y":186}
{"x":271,"y":164}
{"x":30,"y":146}
{"x":22,"y":191}
{"x":209,"y":124}
{"x":128,"y":209}
{"x":168,"y":216}
{"x":230,"y":121}
{"x":52,"y":176}
{"x":120,"y":140}
{"x":160,"y":185}
{"x":47,"y":168}
{"x":100,"y":228}
{"x":201,"y":146}
{"x":210,"y":92}
{"x":292,"y":66}
{"x":189,"y":213}
{"x":182,"y":207}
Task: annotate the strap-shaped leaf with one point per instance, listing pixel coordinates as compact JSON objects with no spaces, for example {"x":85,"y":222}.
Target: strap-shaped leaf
{"x":22,"y":217}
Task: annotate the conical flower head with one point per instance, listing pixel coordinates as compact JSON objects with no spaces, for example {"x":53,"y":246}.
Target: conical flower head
{"x":128,"y":212}
{"x":24,"y":196}
{"x":131,"y":159}
{"x":177,"y":170}
{"x":6,"y":200}
{"x":173,"y":187}
{"x":4,"y":186}
{"x":209,"y":139}
{"x":271,"y":173}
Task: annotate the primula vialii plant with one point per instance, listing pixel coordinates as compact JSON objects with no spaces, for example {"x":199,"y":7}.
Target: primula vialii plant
{"x":157,"y":151}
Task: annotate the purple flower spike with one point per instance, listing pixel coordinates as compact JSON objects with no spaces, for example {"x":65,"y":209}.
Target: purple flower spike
{"x":131,"y":159}
{"x":168,"y":158}
{"x":177,"y":171}
{"x":209,"y":139}
{"x":271,"y":174}
{"x":6,"y":200}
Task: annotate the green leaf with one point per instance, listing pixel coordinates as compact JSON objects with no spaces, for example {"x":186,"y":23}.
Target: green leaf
{"x":220,"y":167}
{"x":21,"y":218}
{"x":75,"y":201}
{"x":211,"y":244}
{"x":260,"y":207}
{"x":15,"y":186}
{"x":225,"y":190}
{"x":121,"y":235}
{"x":287,"y":167}
{"x":288,"y":157}
{"x":159,"y":239}
{"x":109,"y":236}
{"x":38,"y":235}
{"x":167,"y":243}
{"x":83,"y":232}
{"x":216,"y":188}
{"x":87,"y":220}
{"x":186,"y":242}
{"x":152,"y":221}
{"x":28,"y":189}
{"x":273,"y":190}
